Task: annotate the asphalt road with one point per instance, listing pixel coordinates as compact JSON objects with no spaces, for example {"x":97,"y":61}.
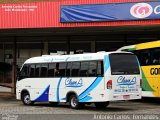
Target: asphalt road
{"x":11,"y":109}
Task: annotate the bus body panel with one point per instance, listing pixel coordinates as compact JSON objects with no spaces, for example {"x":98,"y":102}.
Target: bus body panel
{"x":83,"y":87}
{"x":124,"y":86}
{"x":56,"y":89}
{"x":151,"y":81}
{"x":127,"y":86}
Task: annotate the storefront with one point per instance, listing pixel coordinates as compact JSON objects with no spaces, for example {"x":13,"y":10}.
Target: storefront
{"x":29,"y":29}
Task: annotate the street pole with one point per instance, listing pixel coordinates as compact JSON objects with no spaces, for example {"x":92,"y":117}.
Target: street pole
{"x":14,"y":68}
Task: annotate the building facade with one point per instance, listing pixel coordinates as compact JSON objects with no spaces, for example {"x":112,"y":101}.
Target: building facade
{"x":31,"y":28}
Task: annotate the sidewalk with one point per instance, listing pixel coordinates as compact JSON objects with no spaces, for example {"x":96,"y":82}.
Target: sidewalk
{"x":7,"y":96}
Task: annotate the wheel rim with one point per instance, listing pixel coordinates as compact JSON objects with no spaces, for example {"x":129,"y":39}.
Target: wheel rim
{"x":74,"y":102}
{"x":27,"y":99}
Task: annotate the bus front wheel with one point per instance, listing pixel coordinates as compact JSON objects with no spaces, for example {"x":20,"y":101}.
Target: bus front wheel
{"x":101,"y":104}
{"x":26,"y":99}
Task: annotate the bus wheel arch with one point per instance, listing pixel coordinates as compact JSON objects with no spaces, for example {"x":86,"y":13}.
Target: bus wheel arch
{"x":25,"y":97}
{"x":69,"y":95}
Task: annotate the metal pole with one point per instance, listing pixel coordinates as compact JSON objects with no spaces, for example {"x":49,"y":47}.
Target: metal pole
{"x":3,"y":78}
{"x":68,"y":45}
{"x":14,"y":66}
{"x":125,"y":40}
{"x":42,"y":47}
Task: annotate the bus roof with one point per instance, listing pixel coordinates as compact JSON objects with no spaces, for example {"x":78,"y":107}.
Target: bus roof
{"x":147,"y":45}
{"x":67,"y":58}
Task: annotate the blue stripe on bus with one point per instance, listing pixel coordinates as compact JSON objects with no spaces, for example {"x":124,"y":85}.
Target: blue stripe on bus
{"x":44,"y":96}
{"x":106,"y":63}
{"x":58,"y":86}
{"x":85,"y":99}
{"x":138,"y":62}
{"x":90,"y":88}
{"x":63,"y":99}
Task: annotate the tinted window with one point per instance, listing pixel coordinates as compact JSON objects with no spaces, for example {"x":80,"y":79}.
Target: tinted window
{"x":62,"y":69}
{"x":155,"y":56}
{"x":75,"y":69}
{"x":37,"y":70}
{"x":51,"y":68}
{"x":148,"y":56}
{"x":92,"y":69}
{"x":68,"y":69}
{"x":44,"y":70}
{"x":84,"y":69}
{"x":100,"y":68}
{"x":124,"y":64}
{"x":32,"y":70}
{"x":144,"y":57}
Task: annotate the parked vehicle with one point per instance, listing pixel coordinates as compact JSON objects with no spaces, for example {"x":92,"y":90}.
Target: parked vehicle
{"x":149,"y":57}
{"x":80,"y":79}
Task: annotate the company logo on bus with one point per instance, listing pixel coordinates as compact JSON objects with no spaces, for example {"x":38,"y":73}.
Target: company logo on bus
{"x":126,"y":81}
{"x":73,"y":83}
{"x":141,"y":10}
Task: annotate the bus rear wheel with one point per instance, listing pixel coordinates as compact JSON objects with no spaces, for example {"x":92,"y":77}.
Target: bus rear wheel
{"x":101,"y":104}
{"x":26,"y":99}
{"x":73,"y":101}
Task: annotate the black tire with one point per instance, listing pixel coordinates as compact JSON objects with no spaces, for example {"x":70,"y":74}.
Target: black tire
{"x":53,"y":104}
{"x":101,"y":104}
{"x":73,"y":101}
{"x":26,"y":99}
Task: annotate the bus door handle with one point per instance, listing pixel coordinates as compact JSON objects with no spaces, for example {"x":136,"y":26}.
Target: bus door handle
{"x":28,"y":86}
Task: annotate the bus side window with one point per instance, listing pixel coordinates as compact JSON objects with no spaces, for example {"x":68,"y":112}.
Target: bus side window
{"x":143,"y":57}
{"x":84,"y":69}
{"x":92,"y":68}
{"x":51,"y":68}
{"x":32,"y":70}
{"x":68,"y":69}
{"x":37,"y":70}
{"x":75,"y":69}
{"x":62,"y":69}
{"x":155,"y":56}
{"x":44,"y":68}
{"x":139,"y":56}
{"x":100,"y":70}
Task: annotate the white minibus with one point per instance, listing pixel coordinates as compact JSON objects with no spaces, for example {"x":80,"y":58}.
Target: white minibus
{"x":80,"y":79}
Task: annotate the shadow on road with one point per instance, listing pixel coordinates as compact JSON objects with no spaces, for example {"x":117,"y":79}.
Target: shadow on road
{"x":87,"y":107}
{"x":144,"y":103}
{"x":122,"y":106}
{"x":149,"y":100}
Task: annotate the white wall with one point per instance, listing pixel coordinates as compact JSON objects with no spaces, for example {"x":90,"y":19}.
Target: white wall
{"x":5,"y":89}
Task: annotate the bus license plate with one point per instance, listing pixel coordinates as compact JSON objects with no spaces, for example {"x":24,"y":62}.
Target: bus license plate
{"x":126,"y":97}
